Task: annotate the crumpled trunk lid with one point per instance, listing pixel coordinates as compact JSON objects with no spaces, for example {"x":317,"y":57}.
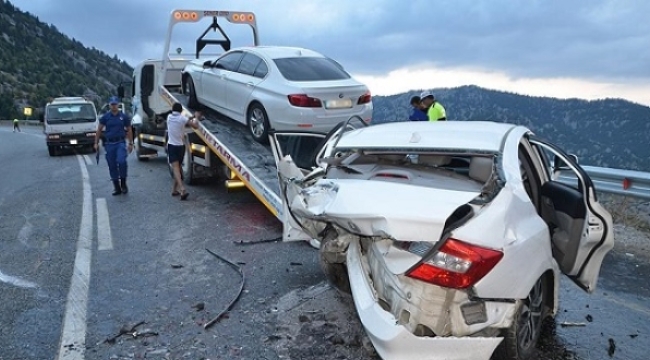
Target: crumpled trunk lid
{"x":381,"y":209}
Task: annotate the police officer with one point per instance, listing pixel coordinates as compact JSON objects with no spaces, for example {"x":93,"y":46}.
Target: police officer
{"x":16,"y":125}
{"x":115,"y":131}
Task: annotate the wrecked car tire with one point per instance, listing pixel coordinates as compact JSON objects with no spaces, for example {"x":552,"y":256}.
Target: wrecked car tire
{"x":520,"y":340}
{"x":332,"y":262}
{"x":337,"y":276}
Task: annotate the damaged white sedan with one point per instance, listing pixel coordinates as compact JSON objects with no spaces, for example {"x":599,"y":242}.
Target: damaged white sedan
{"x":450,"y":236}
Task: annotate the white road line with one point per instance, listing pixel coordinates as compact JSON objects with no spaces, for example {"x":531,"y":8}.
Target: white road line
{"x":104,"y":238}
{"x":73,"y":335}
{"x":88,"y":161}
{"x":16,"y":281}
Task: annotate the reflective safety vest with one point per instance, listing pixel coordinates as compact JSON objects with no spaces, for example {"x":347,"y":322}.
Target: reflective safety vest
{"x":436,"y":112}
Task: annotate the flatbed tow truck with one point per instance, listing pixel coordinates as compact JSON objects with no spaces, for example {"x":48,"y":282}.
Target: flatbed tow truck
{"x":220,"y":148}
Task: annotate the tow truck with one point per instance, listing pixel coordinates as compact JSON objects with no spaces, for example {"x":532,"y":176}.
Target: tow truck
{"x":220,"y":148}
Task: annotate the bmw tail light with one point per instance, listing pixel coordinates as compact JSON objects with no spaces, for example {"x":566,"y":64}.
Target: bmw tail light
{"x":302,"y":100}
{"x":364,"y":99}
{"x":456,"y":265}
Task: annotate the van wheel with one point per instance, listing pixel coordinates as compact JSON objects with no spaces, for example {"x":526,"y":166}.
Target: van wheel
{"x":52,"y":150}
{"x":258,"y":123}
{"x":520,"y":339}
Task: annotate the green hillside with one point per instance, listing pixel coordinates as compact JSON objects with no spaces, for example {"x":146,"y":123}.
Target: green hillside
{"x":37,"y":62}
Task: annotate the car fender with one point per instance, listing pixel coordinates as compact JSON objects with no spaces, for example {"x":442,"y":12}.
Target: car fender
{"x":523,"y":237}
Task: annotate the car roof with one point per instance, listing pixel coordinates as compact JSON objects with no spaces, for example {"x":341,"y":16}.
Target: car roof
{"x":457,"y":135}
{"x":278,"y":52}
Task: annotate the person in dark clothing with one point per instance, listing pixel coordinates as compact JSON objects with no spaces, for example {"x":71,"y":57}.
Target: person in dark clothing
{"x":417,"y":114}
{"x":115,"y":131}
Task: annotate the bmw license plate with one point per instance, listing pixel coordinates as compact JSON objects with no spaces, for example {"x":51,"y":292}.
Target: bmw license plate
{"x":73,"y":142}
{"x":338,"y":104}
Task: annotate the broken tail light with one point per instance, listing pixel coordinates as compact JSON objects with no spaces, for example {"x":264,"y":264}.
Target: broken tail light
{"x":456,"y":265}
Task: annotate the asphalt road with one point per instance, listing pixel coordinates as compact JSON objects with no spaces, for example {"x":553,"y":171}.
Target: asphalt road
{"x":79,"y":266}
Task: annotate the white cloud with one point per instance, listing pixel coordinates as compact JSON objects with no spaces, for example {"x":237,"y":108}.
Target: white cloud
{"x":588,"y":49}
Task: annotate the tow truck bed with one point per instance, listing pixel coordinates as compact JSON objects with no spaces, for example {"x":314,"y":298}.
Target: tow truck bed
{"x":231,"y":141}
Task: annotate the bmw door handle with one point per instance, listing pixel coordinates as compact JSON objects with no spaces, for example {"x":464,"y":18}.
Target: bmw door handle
{"x":250,"y":83}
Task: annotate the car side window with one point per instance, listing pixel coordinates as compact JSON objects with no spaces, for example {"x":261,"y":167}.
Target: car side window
{"x":229,"y":62}
{"x":552,"y":158}
{"x":261,"y":70}
{"x":248,"y":64}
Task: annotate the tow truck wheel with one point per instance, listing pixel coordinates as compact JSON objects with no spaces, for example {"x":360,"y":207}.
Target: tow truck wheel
{"x":187,"y":169}
{"x":138,"y":149}
{"x":191,"y":92}
{"x":258,"y":123}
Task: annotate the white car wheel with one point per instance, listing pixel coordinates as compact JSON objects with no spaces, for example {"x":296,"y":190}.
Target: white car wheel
{"x":189,"y":89}
{"x":258,"y":123}
{"x":521,"y":338}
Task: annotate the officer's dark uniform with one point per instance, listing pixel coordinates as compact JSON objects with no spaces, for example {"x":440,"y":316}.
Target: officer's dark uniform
{"x":114,"y":136}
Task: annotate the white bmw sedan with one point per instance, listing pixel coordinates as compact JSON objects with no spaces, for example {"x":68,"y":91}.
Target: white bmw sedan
{"x":284,"y":88}
{"x":451,"y":236}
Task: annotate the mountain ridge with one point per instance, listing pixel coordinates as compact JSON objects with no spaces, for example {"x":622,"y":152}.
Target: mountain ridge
{"x":605,"y":132}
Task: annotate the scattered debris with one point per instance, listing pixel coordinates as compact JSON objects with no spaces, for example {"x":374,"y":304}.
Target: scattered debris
{"x":612,"y":347}
{"x":125,"y":330}
{"x":241,"y":242}
{"x":572,"y":324}
{"x":198,"y":306}
{"x":633,"y":336}
{"x":589,"y":318}
{"x":241,"y":289}
{"x":177,"y":266}
{"x":293,"y":263}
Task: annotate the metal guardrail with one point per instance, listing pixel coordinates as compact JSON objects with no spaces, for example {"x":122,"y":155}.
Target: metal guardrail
{"x":616,"y":181}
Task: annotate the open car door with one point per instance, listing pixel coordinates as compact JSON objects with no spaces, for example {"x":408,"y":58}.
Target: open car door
{"x":295,"y":156}
{"x":581,"y":229}
{"x":299,"y":156}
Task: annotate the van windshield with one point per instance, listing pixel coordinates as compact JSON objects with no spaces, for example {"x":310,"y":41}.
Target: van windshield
{"x":70,"y":113}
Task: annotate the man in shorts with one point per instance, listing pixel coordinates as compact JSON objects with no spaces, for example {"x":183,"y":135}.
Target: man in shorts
{"x":176,"y":123}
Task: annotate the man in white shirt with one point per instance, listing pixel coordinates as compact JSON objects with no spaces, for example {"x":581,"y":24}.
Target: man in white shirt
{"x":176,"y":123}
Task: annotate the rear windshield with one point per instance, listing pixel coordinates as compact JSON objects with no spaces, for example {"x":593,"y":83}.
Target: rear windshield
{"x":71,"y":113}
{"x":310,"y":69}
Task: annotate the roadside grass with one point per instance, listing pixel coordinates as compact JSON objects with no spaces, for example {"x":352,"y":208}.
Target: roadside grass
{"x":627,"y":210}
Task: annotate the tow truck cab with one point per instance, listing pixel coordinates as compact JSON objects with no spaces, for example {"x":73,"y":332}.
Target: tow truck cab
{"x":69,"y":122}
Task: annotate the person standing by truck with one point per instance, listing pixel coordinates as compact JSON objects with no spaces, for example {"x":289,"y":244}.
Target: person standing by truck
{"x":114,"y":129}
{"x":16,"y":125}
{"x":176,"y":123}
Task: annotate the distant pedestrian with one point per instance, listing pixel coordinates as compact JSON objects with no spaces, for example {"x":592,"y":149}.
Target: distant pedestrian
{"x":114,"y":130}
{"x":176,"y":123}
{"x":435,"y":110}
{"x":16,"y":125}
{"x":417,"y":114}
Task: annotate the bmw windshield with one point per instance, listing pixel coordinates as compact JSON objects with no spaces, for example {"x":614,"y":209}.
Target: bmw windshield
{"x":67,"y":113}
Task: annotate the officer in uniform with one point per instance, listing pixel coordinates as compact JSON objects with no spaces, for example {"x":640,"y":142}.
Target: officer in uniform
{"x":115,"y":131}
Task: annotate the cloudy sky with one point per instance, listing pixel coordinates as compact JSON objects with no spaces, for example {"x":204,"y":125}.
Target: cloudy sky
{"x":560,"y":48}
